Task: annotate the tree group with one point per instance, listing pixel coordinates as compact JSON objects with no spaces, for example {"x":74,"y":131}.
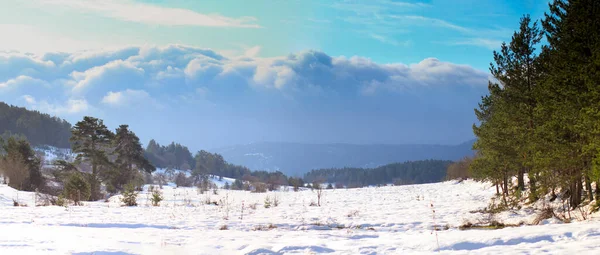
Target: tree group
{"x":540,"y":122}
{"x":115,"y":159}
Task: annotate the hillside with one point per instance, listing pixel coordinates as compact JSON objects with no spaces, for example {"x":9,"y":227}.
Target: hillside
{"x":297,"y":159}
{"x":39,"y":128}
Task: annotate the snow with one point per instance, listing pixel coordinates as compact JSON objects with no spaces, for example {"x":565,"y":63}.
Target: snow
{"x":385,"y":220}
{"x":51,"y":154}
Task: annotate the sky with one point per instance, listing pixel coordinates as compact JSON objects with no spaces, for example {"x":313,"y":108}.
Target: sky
{"x":210,"y":74}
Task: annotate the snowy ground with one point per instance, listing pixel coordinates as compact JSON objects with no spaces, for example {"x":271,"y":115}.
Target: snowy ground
{"x":386,"y":220}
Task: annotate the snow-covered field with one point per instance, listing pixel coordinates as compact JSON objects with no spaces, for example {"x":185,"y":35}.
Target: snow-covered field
{"x":386,"y":220}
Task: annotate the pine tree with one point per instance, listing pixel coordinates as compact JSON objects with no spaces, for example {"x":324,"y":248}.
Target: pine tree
{"x":91,"y":140}
{"x":129,"y":157}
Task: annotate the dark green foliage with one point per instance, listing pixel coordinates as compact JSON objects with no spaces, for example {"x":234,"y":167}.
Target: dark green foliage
{"x":542,"y":117}
{"x":173,"y":155}
{"x":38,"y":128}
{"x":92,"y":141}
{"x":77,"y":188}
{"x":156,"y":196}
{"x":415,"y":172}
{"x":296,"y":183}
{"x":237,"y":185}
{"x":19,"y":163}
{"x":129,"y":159}
{"x":129,"y":195}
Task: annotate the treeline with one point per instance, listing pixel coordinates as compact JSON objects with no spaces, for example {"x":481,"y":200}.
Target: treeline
{"x":173,"y":155}
{"x":38,"y":128}
{"x":540,"y":123}
{"x":410,"y":172}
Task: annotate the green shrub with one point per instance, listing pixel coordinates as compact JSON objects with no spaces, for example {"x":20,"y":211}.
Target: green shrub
{"x":156,"y":197}
{"x":129,"y":195}
{"x":77,"y":189}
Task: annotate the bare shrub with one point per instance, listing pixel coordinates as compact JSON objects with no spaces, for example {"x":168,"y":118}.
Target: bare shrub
{"x":252,"y":206}
{"x":545,"y":213}
{"x":319,"y":190}
{"x":223,"y":227}
{"x":353,"y":213}
{"x":459,"y":169}
{"x":181,"y":180}
{"x":270,"y":226}
{"x":259,"y":187}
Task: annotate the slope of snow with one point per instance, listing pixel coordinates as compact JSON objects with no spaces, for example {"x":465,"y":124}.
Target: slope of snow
{"x":386,"y":220}
{"x":50,"y":154}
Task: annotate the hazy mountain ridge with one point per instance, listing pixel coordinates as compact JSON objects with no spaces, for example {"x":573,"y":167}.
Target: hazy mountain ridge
{"x":298,"y":158}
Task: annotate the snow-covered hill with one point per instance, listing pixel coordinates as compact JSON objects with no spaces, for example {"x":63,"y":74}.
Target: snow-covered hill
{"x":50,"y":154}
{"x":386,"y":220}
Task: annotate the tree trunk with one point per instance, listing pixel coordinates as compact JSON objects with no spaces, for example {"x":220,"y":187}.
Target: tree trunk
{"x":588,"y":187}
{"x":93,"y":195}
{"x":521,"y":180}
{"x":597,"y":190}
{"x":576,"y":188}
{"x":532,"y":188}
{"x":498,"y":189}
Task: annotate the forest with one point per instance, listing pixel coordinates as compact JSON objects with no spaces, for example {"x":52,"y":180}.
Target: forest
{"x":39,"y":128}
{"x":540,"y":122}
{"x":410,"y":172}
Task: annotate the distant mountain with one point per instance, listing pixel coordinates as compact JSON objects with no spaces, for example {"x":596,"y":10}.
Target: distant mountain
{"x":297,"y":159}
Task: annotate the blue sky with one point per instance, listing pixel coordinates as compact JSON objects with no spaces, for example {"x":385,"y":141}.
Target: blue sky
{"x":217,"y":73}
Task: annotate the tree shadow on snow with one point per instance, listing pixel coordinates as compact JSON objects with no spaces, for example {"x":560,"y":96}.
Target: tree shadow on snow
{"x":103,"y":253}
{"x":514,"y":241}
{"x":116,"y":225}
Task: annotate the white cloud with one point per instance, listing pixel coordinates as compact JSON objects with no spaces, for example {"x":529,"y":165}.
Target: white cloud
{"x":118,"y":71}
{"x":129,"y":98}
{"x":21,"y":81}
{"x":71,"y":106}
{"x":387,"y":40}
{"x":481,"y":42}
{"x":28,"y":38}
{"x":129,"y":76}
{"x":132,"y":11}
{"x":29,"y":99}
{"x":433,"y":22}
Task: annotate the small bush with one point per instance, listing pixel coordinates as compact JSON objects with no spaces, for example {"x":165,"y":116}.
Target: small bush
{"x":259,"y":187}
{"x":77,"y":189}
{"x":181,"y":180}
{"x":61,"y":201}
{"x":267,"y":202}
{"x":264,"y":228}
{"x":129,"y":195}
{"x":156,"y":197}
{"x":224,"y":227}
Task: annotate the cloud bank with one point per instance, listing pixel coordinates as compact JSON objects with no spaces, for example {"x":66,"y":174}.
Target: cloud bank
{"x":272,"y":98}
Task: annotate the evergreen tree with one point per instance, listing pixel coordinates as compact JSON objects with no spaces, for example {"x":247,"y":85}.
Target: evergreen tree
{"x":92,"y":141}
{"x":129,"y":157}
{"x":542,"y":117}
